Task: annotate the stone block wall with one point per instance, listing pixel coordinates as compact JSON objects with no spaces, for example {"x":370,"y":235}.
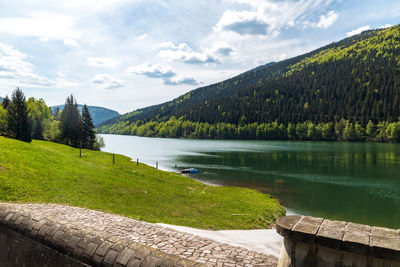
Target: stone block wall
{"x":310,"y":241}
{"x":34,"y":240}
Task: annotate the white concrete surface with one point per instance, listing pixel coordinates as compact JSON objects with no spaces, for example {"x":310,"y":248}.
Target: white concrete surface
{"x":266,"y":241}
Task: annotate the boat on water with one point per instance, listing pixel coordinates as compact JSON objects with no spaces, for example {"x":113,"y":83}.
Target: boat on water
{"x":190,"y":170}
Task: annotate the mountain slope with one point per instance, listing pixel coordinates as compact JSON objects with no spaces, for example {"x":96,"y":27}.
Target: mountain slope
{"x":99,"y":114}
{"x":357,"y":79}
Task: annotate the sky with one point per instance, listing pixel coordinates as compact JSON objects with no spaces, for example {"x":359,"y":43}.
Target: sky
{"x":129,"y":54}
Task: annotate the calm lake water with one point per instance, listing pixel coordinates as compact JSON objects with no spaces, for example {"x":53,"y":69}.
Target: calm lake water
{"x":357,"y":182}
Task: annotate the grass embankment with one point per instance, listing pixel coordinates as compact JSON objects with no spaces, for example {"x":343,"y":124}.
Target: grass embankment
{"x":47,"y":172}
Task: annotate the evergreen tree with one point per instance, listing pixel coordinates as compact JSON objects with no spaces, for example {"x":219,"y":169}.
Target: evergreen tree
{"x":88,"y":133}
{"x":38,"y":132}
{"x":6,"y":102}
{"x":71,"y":123}
{"x":18,"y":122}
{"x":55,"y":115}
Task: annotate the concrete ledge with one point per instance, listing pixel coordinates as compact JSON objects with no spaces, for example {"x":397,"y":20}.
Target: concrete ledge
{"x":363,"y":240}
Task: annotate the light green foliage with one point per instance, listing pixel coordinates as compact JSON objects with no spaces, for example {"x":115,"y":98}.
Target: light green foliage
{"x":40,"y":116}
{"x":43,"y":171}
{"x":3,"y":121}
{"x":379,"y":44}
{"x":344,"y":130}
{"x":52,"y":131}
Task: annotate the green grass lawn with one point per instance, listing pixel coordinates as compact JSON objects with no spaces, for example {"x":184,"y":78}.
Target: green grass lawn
{"x":48,"y":172}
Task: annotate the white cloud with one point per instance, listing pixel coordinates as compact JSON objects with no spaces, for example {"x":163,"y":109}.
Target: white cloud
{"x":143,"y":36}
{"x":268,"y":17}
{"x":70,"y":42}
{"x":15,"y":70}
{"x":325,"y":21}
{"x":358,"y":30}
{"x":178,"y":79}
{"x":107,"y":81}
{"x":43,"y":26}
{"x":385,"y":26}
{"x":221,"y":48}
{"x":165,"y":73}
{"x":62,"y":82}
{"x":152,"y":71}
{"x":185,"y":54}
{"x":242,"y":22}
{"x":101,"y":62}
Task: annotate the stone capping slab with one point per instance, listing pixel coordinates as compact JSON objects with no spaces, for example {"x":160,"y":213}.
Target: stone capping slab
{"x":102,"y":239}
{"x":355,"y":238}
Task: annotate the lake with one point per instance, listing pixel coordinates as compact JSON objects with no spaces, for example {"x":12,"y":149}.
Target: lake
{"x":357,"y":182}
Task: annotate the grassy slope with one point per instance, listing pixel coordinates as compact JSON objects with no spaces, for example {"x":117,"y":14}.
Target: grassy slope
{"x":48,"y":172}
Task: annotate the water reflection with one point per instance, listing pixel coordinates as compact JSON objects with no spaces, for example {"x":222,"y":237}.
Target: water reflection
{"x":347,"y":181}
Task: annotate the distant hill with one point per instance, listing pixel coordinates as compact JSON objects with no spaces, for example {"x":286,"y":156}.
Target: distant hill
{"x":356,"y":79}
{"x":99,"y":114}
{"x":1,"y":99}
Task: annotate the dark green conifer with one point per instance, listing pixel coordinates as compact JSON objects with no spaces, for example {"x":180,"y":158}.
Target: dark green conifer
{"x":71,"y":123}
{"x":6,"y":102}
{"x":88,"y":133}
{"x":18,"y":121}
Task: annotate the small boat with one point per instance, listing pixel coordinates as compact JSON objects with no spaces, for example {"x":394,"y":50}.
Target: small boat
{"x":190,"y":170}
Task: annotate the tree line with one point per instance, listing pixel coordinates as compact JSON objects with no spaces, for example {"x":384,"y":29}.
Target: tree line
{"x":32,"y":119}
{"x":343,"y":130}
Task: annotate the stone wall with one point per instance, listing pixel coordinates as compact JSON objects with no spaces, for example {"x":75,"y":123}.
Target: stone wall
{"x":57,"y":235}
{"x":29,"y":240}
{"x":310,"y":241}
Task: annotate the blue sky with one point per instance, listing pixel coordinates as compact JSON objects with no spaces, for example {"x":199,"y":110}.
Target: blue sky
{"x":128,"y":54}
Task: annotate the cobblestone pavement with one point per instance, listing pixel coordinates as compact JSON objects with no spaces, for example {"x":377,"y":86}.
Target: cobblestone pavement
{"x":169,"y":241}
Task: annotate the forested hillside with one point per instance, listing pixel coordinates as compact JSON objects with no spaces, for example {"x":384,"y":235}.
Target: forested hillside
{"x":353,"y":81}
{"x":99,"y":114}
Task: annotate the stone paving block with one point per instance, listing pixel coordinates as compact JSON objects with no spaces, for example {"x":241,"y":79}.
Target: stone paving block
{"x":110,"y":257}
{"x":13,"y":218}
{"x":43,"y":230}
{"x":90,"y":249}
{"x":306,"y":229}
{"x":357,"y":238}
{"x":39,"y":224}
{"x":386,"y":248}
{"x":103,"y":248}
{"x":124,"y":256}
{"x":286,"y":223}
{"x":73,"y":241}
{"x":8,"y":217}
{"x":134,"y":262}
{"x":330,"y":234}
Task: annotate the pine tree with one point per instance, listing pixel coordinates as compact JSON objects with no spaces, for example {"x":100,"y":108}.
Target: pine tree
{"x":6,"y":102}
{"x":55,"y":115}
{"x":88,"y":133}
{"x":38,"y":131}
{"x":71,"y":123}
{"x":18,"y":122}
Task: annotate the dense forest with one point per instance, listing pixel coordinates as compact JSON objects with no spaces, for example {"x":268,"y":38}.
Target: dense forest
{"x":354,"y":82}
{"x":32,"y":119}
{"x":344,"y":130}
